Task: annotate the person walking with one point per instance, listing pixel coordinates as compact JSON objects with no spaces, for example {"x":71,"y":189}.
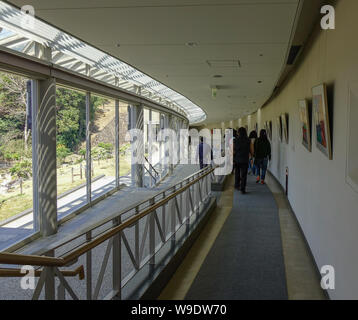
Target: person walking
{"x":241,"y":159}
{"x":204,"y":153}
{"x":262,"y":155}
{"x":252,"y":167}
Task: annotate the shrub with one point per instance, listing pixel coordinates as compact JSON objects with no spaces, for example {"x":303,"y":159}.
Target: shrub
{"x":62,"y":152}
{"x":22,"y":169}
{"x":82,"y":153}
{"x":124,"y":148}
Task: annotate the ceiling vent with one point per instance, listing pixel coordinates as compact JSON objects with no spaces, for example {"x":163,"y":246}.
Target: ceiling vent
{"x":293,"y":54}
{"x":223,"y":63}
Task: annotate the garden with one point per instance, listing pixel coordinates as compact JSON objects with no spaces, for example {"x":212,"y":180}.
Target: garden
{"x":16,"y":192}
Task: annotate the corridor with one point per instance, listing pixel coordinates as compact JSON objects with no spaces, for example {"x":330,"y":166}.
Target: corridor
{"x":259,"y":252}
{"x":120,"y":125}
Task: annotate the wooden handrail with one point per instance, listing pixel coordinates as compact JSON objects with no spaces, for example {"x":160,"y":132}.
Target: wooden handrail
{"x":140,"y":203}
{"x":20,"y":259}
{"x":8,"y":272}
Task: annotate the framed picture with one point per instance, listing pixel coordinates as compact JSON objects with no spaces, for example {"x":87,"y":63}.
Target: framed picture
{"x":279,"y":128}
{"x":321,"y":119}
{"x":284,"y":122}
{"x":305,"y":125}
{"x":268,"y":126}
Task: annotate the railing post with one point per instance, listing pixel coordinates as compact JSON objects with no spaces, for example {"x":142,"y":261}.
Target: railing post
{"x":173,"y":222}
{"x":50,"y":284}
{"x":117,"y":261}
{"x":89,"y":268}
{"x":164,"y":219}
{"x":61,"y":293}
{"x":196,"y":198}
{"x":187,"y":205}
{"x":208,"y":185}
{"x":50,"y":291}
{"x":152,"y":235}
{"x":136,"y":239}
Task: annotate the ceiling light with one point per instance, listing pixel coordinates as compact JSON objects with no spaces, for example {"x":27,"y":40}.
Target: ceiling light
{"x":214,"y":91}
{"x":191,"y":44}
{"x":259,"y":81}
{"x":224,"y":63}
{"x":217,"y":76}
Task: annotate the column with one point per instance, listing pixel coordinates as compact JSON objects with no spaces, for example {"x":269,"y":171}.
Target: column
{"x":137,"y":145}
{"x":44,"y":155}
{"x":172,"y":126}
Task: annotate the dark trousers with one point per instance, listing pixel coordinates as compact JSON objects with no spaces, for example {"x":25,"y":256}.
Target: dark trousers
{"x":241,"y":175}
{"x":261,"y":167}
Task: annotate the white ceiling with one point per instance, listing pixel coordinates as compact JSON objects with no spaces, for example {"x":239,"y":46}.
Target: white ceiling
{"x":153,"y":35}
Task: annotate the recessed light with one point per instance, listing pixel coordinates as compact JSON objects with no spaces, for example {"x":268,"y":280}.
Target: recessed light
{"x":261,"y":55}
{"x":217,"y":76}
{"x":259,"y":81}
{"x":191,"y":44}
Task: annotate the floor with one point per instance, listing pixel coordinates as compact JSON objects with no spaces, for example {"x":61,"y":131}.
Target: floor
{"x":252,"y":249}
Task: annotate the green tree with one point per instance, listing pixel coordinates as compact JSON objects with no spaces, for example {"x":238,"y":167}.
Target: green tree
{"x":13,"y":116}
{"x":71,"y":116}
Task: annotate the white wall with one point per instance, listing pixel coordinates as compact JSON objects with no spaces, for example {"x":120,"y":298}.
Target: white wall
{"x":325,"y":204}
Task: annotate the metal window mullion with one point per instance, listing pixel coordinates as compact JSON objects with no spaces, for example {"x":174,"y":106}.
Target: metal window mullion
{"x":117,"y":142}
{"x":150,"y":138}
{"x":35,"y":187}
{"x":88,"y":147}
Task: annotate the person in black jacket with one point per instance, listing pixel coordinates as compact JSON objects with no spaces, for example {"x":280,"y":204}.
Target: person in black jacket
{"x":262,"y":155}
{"x":241,"y":159}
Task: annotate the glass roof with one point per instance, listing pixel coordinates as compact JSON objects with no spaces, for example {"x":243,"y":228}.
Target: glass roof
{"x":20,"y":32}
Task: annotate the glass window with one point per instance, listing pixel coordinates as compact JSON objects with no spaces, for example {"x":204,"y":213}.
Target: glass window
{"x":16,"y":185}
{"x":70,"y":150}
{"x":124,"y":146}
{"x":103,"y":143}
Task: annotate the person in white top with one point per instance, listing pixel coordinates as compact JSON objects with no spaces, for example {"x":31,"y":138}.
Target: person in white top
{"x":252,"y":167}
{"x":203,"y":153}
